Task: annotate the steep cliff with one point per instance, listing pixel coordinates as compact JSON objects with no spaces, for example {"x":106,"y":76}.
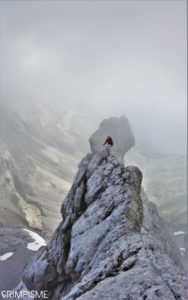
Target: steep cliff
{"x":98,"y":251}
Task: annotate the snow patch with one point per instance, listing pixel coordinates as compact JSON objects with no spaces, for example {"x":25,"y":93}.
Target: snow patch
{"x":38,"y":241}
{"x":179,"y":232}
{"x":6,"y":256}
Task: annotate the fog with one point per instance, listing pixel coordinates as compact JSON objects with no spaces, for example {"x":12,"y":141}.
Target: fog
{"x":101,"y":58}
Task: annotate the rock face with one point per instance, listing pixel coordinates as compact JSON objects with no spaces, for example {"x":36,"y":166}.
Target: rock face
{"x":120,"y":131}
{"x":97,"y":251}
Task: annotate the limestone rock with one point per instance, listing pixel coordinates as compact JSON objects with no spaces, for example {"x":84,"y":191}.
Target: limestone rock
{"x":120,"y":131}
{"x":97,"y":251}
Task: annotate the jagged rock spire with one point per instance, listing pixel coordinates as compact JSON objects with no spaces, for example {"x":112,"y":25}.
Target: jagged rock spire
{"x":96,"y":251}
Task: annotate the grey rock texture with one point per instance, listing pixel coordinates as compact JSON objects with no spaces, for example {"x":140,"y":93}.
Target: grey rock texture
{"x":120,"y":131}
{"x":154,"y":225}
{"x":97,"y":251}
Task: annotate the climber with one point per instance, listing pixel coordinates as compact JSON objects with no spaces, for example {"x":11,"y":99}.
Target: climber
{"x":108,"y":141}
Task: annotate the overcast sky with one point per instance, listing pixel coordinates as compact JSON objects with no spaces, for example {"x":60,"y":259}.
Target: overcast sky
{"x":106,"y":58}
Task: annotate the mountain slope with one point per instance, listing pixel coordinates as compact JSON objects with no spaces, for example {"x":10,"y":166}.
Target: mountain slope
{"x":37,"y":165}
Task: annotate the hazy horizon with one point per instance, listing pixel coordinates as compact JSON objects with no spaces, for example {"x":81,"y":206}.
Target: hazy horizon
{"x":102,"y":59}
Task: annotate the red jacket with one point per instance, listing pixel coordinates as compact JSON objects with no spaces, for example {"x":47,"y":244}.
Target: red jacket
{"x":109,"y":141}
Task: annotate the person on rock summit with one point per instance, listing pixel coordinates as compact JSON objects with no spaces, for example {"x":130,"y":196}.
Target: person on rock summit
{"x":108,"y":141}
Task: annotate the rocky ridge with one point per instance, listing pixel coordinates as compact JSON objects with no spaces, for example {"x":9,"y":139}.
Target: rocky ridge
{"x":97,"y":251}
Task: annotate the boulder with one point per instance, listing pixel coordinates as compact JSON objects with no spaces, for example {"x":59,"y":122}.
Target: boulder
{"x":120,"y":131}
